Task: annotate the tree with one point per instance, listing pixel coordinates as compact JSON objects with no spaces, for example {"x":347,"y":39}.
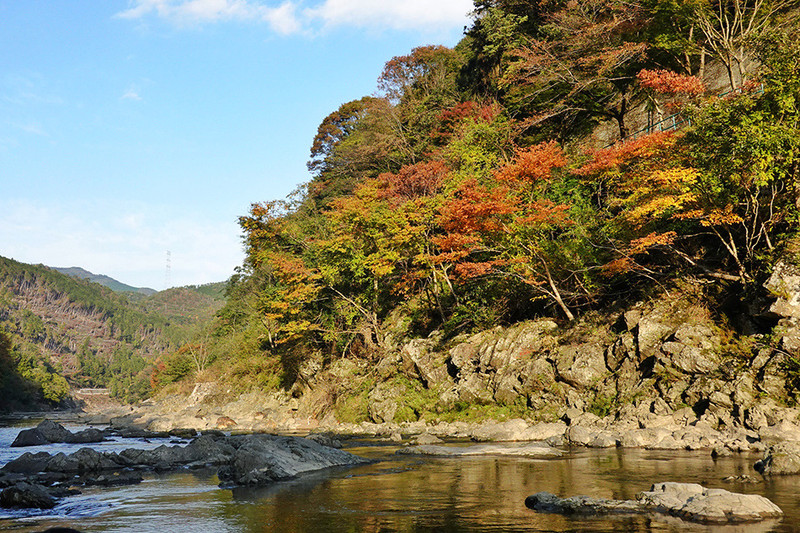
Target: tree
{"x":581,"y":66}
{"x":732,"y":26}
{"x":359,"y":140}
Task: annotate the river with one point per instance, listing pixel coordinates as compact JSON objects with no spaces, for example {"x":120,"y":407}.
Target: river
{"x":403,"y":494}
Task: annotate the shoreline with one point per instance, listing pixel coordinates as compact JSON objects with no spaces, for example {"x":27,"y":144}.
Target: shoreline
{"x":676,"y":431}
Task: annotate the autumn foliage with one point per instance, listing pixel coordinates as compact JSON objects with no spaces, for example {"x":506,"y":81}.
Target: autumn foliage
{"x":461,"y":203}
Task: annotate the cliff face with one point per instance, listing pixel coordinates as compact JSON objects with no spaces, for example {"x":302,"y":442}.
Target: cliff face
{"x":675,"y":357}
{"x":657,"y":357}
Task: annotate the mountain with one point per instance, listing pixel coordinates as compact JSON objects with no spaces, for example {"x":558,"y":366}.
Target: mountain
{"x":106,"y":281}
{"x":59,"y":331}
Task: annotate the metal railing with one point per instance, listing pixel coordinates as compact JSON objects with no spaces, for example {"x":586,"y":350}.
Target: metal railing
{"x":675,"y":121}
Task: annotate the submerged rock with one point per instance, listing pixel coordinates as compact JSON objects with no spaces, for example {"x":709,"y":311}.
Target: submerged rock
{"x":534,"y":449}
{"x":688,"y":501}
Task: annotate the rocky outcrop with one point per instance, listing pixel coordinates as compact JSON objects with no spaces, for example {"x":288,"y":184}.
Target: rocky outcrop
{"x":26,"y":495}
{"x":688,"y":501}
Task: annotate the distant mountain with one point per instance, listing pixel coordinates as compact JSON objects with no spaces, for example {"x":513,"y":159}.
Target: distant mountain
{"x":106,"y":281}
{"x":66,"y":323}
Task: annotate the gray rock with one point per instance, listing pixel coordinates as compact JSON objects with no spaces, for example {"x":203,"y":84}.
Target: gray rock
{"x":86,"y":436}
{"x":26,"y":495}
{"x":49,"y":432}
{"x":780,"y":459}
{"x":53,"y":431}
{"x":28,"y":463}
{"x":696,"y":503}
{"x":82,"y":461}
{"x":688,"y":501}
{"x":29,"y":437}
{"x":427,"y":438}
{"x":262,"y":459}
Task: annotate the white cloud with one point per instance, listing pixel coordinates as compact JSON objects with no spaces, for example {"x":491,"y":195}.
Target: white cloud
{"x":131,"y":94}
{"x":408,"y":14}
{"x":30,"y":127}
{"x":182,"y":12}
{"x":284,"y":19}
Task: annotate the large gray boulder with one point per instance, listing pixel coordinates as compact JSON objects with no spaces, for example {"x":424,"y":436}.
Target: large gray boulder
{"x":49,"y":432}
{"x":262,"y":459}
{"x":688,"y":501}
{"x":27,"y":463}
{"x":83,"y":461}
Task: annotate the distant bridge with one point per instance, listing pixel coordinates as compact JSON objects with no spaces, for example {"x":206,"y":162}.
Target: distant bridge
{"x":92,"y":392}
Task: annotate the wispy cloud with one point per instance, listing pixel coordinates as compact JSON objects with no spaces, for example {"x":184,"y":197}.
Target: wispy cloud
{"x":281,"y":19}
{"x":131,"y":94}
{"x":292,"y":17}
{"x":31,"y":127}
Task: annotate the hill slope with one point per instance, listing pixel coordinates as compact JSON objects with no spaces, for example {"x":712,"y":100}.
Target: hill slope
{"x":106,"y":281}
{"x":61,"y":326}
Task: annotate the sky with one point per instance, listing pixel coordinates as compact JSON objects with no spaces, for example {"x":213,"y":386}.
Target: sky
{"x":133,"y":134}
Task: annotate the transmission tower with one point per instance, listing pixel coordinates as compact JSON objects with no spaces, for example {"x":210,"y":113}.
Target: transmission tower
{"x":168,"y":273}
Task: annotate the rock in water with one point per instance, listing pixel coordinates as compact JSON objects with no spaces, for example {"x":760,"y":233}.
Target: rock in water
{"x":783,"y":458}
{"x":261,"y":459}
{"x":49,"y":432}
{"x":532,"y":449}
{"x":26,"y":495}
{"x":685,"y":500}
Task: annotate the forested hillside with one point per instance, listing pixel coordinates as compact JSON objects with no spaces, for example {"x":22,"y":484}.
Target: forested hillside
{"x":564,"y":157}
{"x":59,"y":331}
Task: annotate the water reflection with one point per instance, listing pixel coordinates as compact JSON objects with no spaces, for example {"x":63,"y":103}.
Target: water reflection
{"x":408,"y":494}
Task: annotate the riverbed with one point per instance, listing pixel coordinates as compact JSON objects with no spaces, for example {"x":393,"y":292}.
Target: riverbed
{"x":405,"y":494}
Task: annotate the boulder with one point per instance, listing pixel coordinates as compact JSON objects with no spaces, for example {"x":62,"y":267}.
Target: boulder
{"x":688,"y":501}
{"x":29,"y":437}
{"x":780,"y":459}
{"x":261,"y":459}
{"x":53,"y":431}
{"x":49,"y":432}
{"x":82,"y":461}
{"x":27,"y":463}
{"x":696,"y":503}
{"x":427,"y":438}
{"x":26,"y":495}
{"x":86,"y":436}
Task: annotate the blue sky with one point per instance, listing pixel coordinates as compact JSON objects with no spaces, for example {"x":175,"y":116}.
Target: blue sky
{"x":133,"y":128}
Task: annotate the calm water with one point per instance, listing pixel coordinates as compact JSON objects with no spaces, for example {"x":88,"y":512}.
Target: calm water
{"x":407,"y":494}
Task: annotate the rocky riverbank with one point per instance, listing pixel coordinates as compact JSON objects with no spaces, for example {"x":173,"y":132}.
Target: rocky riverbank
{"x":668,"y":373}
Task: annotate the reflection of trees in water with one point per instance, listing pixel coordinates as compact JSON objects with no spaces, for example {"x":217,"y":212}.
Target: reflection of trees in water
{"x":475,"y":494}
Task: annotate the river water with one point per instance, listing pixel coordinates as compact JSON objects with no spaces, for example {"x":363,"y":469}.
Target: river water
{"x":401,"y":493}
